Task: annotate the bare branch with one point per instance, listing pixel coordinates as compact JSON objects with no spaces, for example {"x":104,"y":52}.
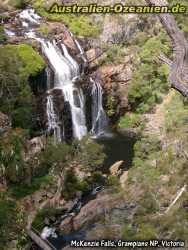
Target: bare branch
{"x":182,"y":190}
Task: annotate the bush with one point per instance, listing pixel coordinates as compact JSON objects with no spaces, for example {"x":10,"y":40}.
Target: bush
{"x":89,"y":154}
{"x":3,"y":36}
{"x":13,"y":167}
{"x":38,"y":222}
{"x":56,"y":157}
{"x":130,"y":121}
{"x":27,"y":55}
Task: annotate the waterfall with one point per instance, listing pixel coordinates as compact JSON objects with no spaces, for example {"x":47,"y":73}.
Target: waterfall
{"x":53,"y":123}
{"x":99,"y":118}
{"x":66,"y":70}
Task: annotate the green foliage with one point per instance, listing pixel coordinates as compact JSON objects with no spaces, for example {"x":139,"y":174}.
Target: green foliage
{"x":173,"y":122}
{"x":150,"y":78}
{"x":27,"y":55}
{"x":17,"y":99}
{"x":38,"y":222}
{"x":113,"y":181}
{"x":21,"y":117}
{"x":9,"y":223}
{"x":114,"y":54}
{"x":155,"y":178}
{"x":13,"y":167}
{"x":89,"y":154}
{"x":72,"y":185}
{"x":56,"y":156}
{"x":130,"y":121}
{"x":110,"y":106}
{"x":23,"y":190}
{"x":81,"y":25}
{"x":3,"y":36}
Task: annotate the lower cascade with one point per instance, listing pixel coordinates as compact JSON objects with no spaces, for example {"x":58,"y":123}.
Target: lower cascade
{"x":99,"y":118}
{"x":53,"y":123}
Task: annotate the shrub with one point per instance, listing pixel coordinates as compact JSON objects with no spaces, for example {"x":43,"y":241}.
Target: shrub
{"x":38,"y":222}
{"x":13,"y":167}
{"x":89,"y":154}
{"x":27,"y":55}
{"x":130,"y":121}
{"x":3,"y":36}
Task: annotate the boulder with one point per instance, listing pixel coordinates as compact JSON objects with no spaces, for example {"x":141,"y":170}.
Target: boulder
{"x":96,"y":208}
{"x":123,"y":178}
{"x":115,"y":168}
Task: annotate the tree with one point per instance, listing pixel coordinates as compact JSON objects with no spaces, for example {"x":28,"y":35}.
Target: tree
{"x":178,"y":67}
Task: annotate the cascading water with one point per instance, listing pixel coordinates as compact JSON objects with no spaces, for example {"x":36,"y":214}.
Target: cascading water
{"x":66,"y":70}
{"x":53,"y":123}
{"x":99,"y":118}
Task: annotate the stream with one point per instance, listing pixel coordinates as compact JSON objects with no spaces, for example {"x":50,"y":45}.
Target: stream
{"x":117,"y":146}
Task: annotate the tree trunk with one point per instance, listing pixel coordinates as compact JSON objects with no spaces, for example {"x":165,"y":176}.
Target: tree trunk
{"x":179,"y":69}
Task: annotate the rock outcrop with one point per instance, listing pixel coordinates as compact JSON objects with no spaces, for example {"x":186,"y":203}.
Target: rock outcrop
{"x":115,"y":168}
{"x":91,"y":212}
{"x":4,"y":122}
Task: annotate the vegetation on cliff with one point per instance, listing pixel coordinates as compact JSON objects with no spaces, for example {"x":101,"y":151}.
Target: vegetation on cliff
{"x":17,"y":99}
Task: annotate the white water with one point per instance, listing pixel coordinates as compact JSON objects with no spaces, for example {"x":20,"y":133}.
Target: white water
{"x":82,"y":53}
{"x":47,"y":232}
{"x":53,"y":123}
{"x":66,"y":69}
{"x":30,"y":16}
{"x":9,"y":32}
{"x":99,"y":118}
